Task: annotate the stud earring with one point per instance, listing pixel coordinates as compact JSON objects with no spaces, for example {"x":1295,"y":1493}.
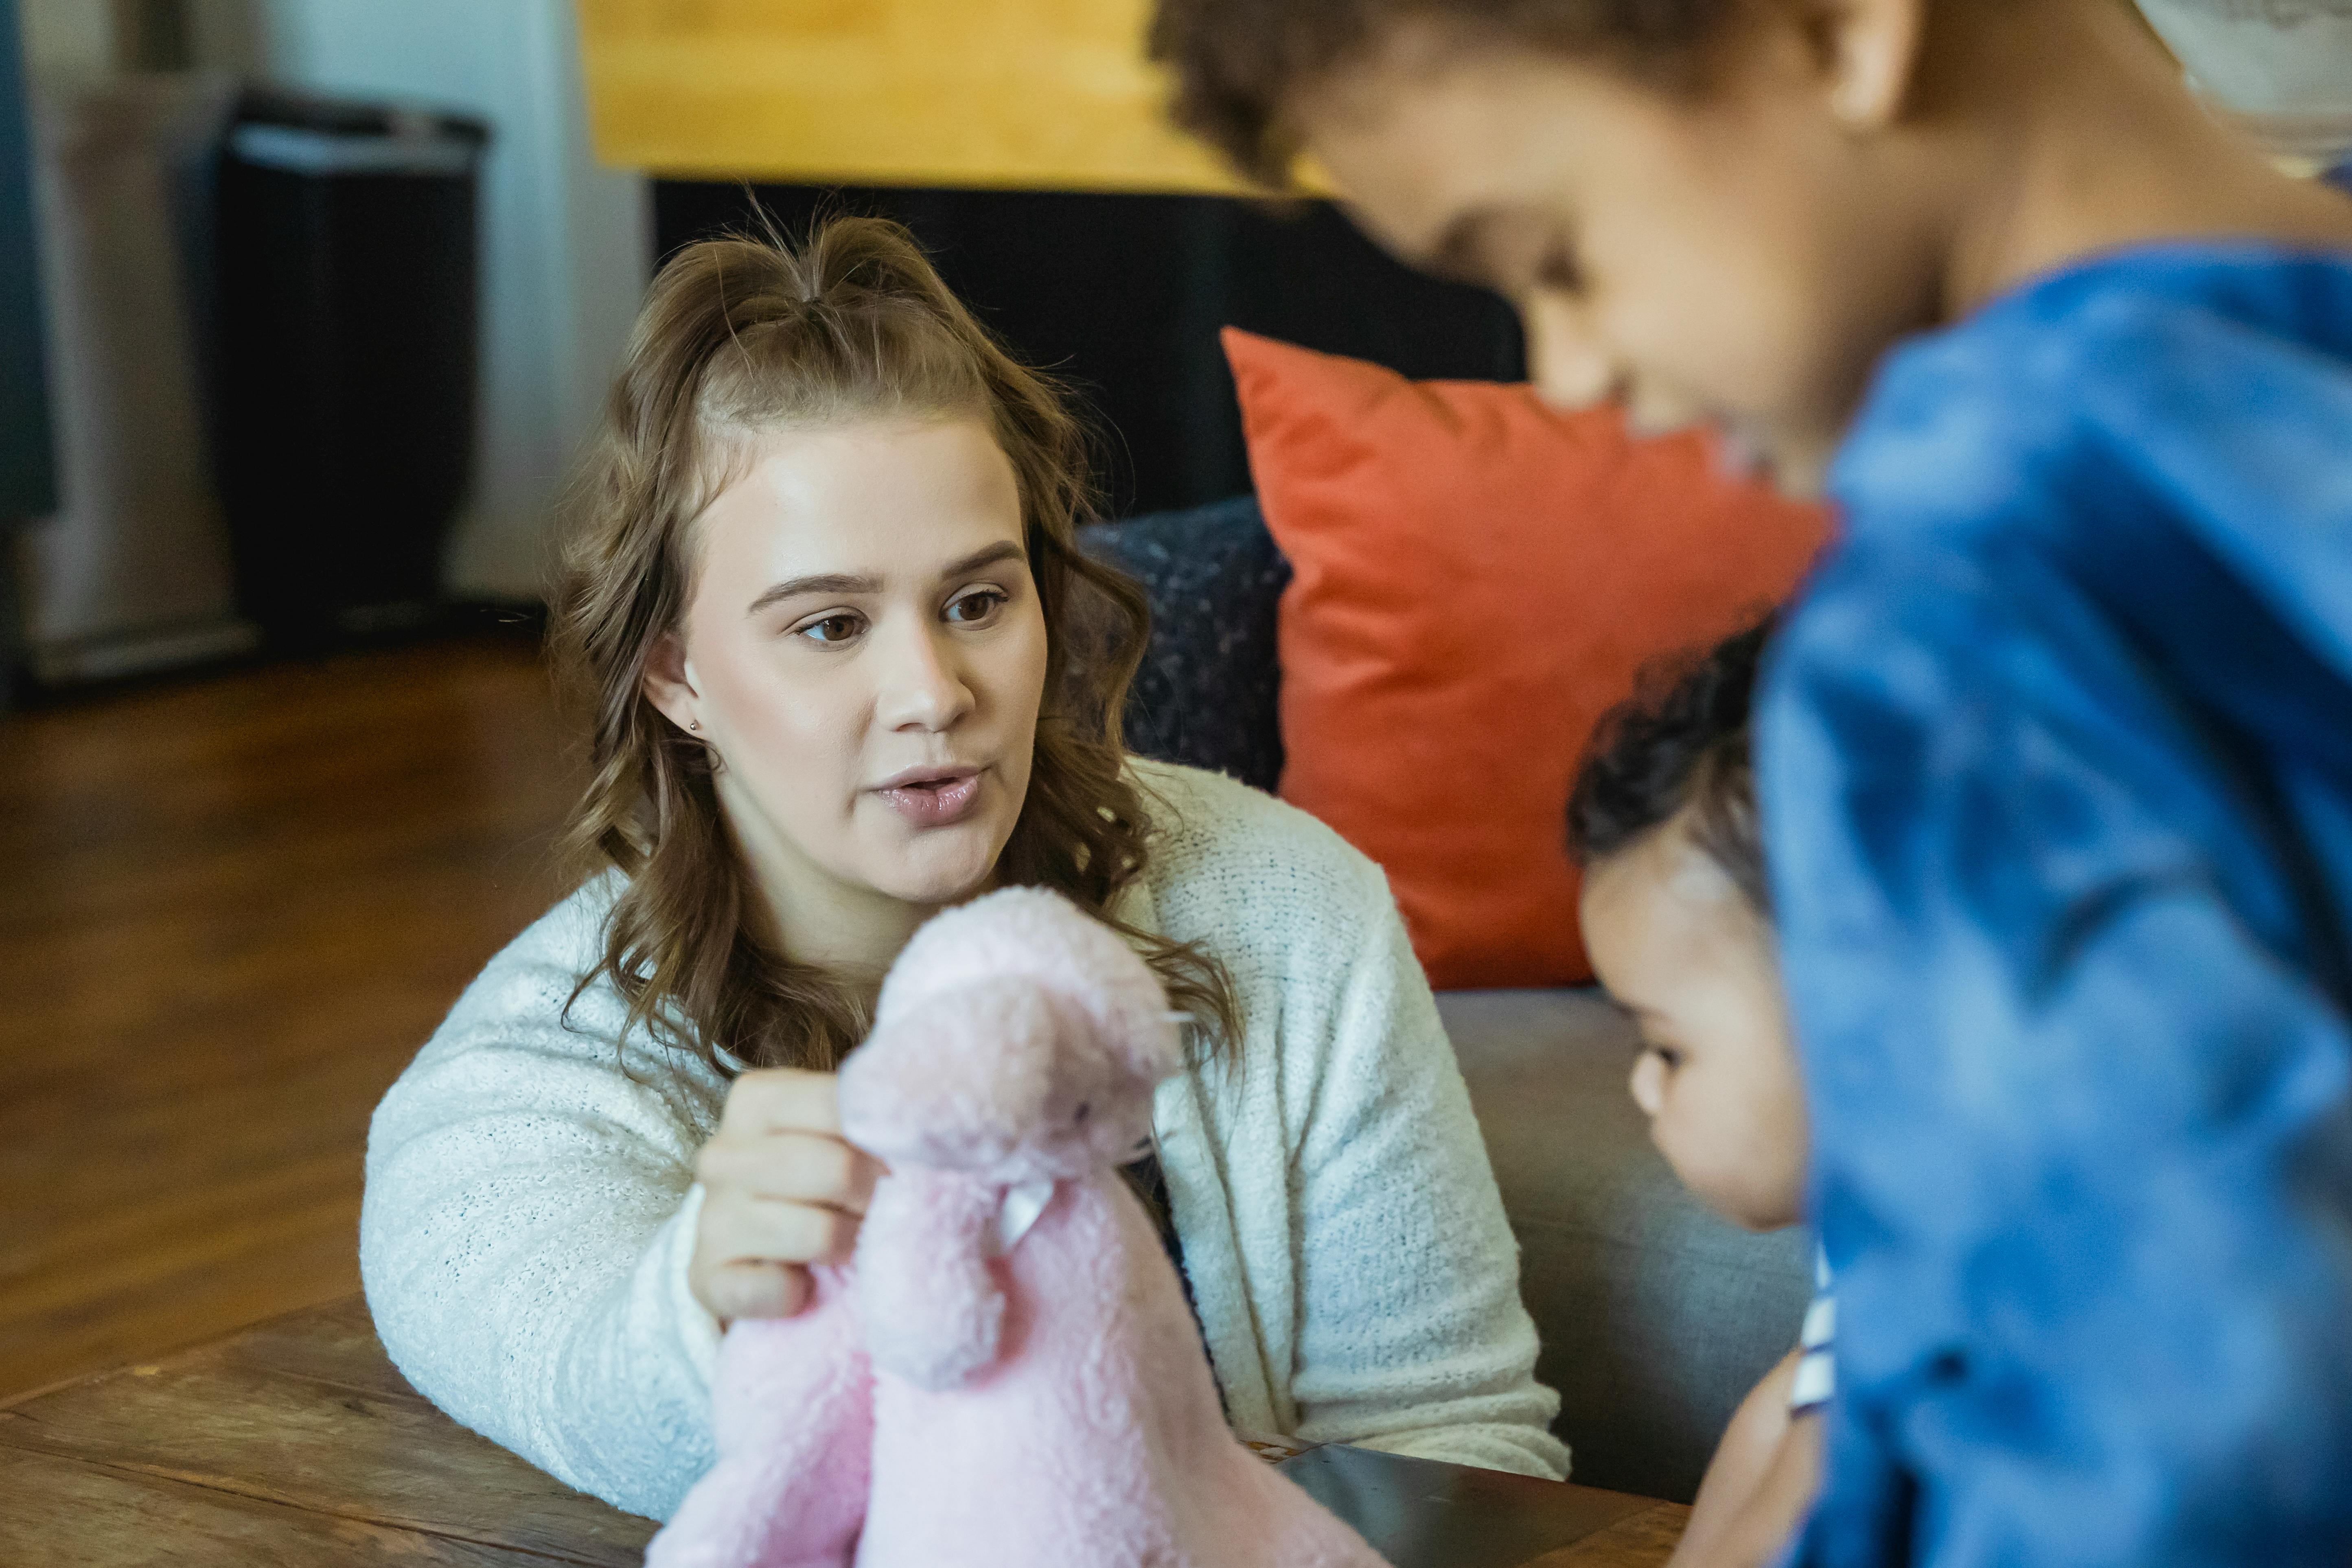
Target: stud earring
{"x":696,"y":725}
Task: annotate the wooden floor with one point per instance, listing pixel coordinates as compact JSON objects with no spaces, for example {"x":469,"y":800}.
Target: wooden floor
{"x":230,"y":912}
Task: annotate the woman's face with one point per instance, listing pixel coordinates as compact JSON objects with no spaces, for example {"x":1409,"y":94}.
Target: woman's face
{"x":865,"y":652}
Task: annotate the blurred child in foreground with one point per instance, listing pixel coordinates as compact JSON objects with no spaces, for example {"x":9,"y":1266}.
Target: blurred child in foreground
{"x":2055,"y":755}
{"x":1677,"y":915}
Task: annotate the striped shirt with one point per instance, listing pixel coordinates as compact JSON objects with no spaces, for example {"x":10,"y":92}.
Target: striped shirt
{"x":1816,"y":1378}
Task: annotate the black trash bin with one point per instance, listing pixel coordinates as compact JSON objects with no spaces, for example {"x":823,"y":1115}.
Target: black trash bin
{"x":345,"y":361}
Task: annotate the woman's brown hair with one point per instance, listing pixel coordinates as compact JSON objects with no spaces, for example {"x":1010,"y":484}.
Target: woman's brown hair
{"x":744,"y":334}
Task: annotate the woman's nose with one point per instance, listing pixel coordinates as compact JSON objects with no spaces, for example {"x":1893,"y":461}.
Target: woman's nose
{"x":1566,"y":360}
{"x":922,"y":686}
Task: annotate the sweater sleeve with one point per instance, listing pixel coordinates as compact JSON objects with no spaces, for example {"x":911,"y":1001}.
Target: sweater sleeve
{"x":529,"y":1217}
{"x":1413,"y":1336}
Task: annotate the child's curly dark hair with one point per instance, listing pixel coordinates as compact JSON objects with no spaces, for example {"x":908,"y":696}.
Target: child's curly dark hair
{"x":1680,"y":741}
{"x":1240,"y":65}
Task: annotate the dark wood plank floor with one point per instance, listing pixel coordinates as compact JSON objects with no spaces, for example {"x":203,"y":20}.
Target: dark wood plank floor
{"x":230,"y":912}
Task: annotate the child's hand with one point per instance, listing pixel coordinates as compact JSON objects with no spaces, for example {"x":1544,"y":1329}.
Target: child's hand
{"x":1759,"y":1486}
{"x":780,"y":1191}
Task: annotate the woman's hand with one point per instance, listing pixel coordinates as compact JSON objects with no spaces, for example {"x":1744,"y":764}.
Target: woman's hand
{"x":782,"y":1190}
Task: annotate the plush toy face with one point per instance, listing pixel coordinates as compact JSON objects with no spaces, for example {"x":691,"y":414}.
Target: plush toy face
{"x":1018,"y":1039}
{"x":999,"y":1078}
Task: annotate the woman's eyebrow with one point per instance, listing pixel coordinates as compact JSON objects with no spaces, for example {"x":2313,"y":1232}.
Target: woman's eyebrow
{"x":854,"y":582}
{"x":822,"y":582}
{"x":988,"y":555}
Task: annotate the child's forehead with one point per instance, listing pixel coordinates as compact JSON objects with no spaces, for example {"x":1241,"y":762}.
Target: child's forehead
{"x":1661,"y":911}
{"x":1454,"y":166}
{"x":1669,"y":861}
{"x":1421,"y":145}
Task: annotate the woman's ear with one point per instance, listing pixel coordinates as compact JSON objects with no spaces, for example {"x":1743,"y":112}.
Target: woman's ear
{"x":1870,"y":53}
{"x":669,"y":684}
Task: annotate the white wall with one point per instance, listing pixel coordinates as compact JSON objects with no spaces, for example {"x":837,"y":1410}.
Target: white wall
{"x":2282,"y":57}
{"x":2282,"y":69}
{"x":66,"y":35}
{"x":566,"y":243}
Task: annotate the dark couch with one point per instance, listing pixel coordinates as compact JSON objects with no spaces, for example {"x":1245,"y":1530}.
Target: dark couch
{"x":1657,"y":1316}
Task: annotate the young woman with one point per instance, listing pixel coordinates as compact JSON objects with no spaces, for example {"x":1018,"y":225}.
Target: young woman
{"x":846,"y":666}
{"x":2053,"y":754}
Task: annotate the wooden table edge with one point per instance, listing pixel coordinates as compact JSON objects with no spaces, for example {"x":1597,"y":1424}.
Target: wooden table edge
{"x":1633,"y":1538}
{"x":194,"y":1347}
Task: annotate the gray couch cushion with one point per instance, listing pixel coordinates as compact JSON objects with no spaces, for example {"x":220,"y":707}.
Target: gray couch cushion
{"x":1657,"y":1316}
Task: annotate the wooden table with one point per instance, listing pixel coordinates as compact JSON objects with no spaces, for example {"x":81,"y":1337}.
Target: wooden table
{"x":296,"y":1442}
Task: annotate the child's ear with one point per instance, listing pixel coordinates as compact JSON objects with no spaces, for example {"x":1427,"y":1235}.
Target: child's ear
{"x":669,"y":683}
{"x":1870,"y":53}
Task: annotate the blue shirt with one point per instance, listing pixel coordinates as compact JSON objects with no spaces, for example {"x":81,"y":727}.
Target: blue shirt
{"x":2056,"y":763}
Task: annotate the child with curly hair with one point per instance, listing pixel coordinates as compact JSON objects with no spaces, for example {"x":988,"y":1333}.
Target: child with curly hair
{"x":2055,"y":755}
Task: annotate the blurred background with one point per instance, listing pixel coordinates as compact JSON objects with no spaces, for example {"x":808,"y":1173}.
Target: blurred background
{"x":305,"y":309}
{"x":308,"y":307}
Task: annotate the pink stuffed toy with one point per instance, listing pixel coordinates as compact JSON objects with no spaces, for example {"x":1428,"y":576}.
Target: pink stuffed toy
{"x":793,"y":1412}
{"x":1038,"y":1394}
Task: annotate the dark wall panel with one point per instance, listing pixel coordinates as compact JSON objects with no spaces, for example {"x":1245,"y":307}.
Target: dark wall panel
{"x":1124,"y":294}
{"x":27,"y":465}
{"x":26,"y":475}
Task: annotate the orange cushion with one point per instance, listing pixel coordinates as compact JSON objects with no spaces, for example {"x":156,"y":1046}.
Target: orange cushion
{"x":1478,"y":579}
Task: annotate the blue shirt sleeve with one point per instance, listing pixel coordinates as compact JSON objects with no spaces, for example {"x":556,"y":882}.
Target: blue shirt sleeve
{"x":2083,"y":1163}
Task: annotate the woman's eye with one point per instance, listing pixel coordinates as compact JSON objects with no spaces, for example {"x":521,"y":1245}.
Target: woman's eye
{"x":832,"y":629}
{"x":970,"y":609}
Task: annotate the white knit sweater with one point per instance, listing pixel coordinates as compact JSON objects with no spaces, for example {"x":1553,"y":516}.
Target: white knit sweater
{"x":530,"y":1200}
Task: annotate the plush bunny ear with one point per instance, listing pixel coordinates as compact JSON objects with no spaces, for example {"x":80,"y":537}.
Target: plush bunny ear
{"x":1041,"y":936}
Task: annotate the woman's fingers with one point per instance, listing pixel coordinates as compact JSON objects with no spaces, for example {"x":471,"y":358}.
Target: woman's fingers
{"x":739,"y":1226}
{"x":801,"y":1166}
{"x":782,"y":1099}
{"x":751,"y":1254}
{"x":753,"y":1289}
{"x":780,"y":1191}
{"x":865,"y":1170}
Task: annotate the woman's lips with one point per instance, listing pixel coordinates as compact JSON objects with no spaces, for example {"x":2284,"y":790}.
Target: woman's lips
{"x":940,"y":801}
